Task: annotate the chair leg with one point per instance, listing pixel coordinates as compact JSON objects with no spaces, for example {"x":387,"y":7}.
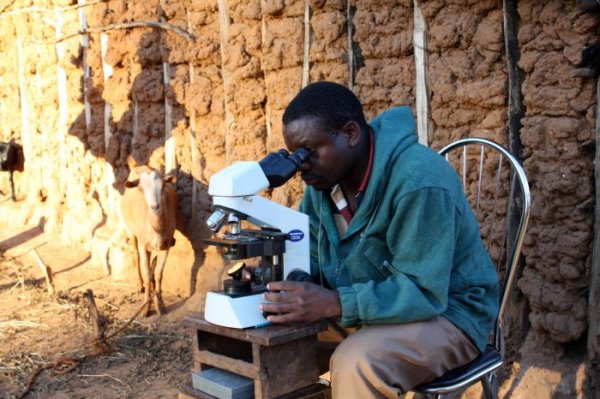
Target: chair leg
{"x":490,"y":385}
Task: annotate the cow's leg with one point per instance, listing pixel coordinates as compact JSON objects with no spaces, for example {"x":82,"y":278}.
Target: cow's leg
{"x":161,"y":260}
{"x":146,"y":276}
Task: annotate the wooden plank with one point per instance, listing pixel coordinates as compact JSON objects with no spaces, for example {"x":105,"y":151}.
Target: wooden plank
{"x":268,"y":336}
{"x":288,"y":367}
{"x":234,"y":365}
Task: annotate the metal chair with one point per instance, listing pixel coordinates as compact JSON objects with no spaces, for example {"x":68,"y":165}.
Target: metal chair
{"x":493,"y":190}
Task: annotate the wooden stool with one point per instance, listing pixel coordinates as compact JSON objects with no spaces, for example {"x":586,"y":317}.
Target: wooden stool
{"x":281,"y":359}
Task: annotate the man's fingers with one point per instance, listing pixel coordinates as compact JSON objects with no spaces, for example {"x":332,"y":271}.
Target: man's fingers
{"x":281,"y":312}
{"x":276,"y":307}
{"x":283,"y":285}
{"x":282,"y":318}
{"x":280,"y":296}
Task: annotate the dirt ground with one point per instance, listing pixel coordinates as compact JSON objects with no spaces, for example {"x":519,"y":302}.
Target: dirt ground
{"x":51,"y":336}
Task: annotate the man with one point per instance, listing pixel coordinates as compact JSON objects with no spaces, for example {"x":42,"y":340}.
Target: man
{"x":395,"y":248}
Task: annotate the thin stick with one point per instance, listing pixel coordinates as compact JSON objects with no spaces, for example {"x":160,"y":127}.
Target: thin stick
{"x":46,"y":270}
{"x":131,"y":319}
{"x":134,"y":24}
{"x":107,"y":376}
{"x":48,"y":10}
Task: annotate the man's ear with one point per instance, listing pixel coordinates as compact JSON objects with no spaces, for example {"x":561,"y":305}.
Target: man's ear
{"x":352,"y":131}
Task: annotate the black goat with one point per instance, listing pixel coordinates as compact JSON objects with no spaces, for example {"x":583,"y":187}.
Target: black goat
{"x":9,"y":162}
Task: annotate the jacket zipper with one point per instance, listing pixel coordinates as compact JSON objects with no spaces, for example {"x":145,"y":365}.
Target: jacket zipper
{"x":389,"y":267}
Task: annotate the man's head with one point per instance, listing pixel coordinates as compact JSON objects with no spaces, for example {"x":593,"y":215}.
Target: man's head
{"x":327,"y":119}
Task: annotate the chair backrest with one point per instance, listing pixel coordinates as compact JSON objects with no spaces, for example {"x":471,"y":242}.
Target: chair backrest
{"x":497,"y":188}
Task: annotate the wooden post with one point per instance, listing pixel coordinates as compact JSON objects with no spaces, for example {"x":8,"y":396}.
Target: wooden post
{"x":306,"y":59}
{"x":593,"y":339}
{"x":420,"y":50}
{"x":25,"y":125}
{"x":47,"y":272}
{"x":195,"y":169}
{"x":85,"y":45}
{"x":516,"y":321}
{"x":170,"y":156}
{"x":95,"y":316}
{"x":224,"y":19}
{"x":109,"y":175}
{"x":63,"y":102}
{"x":350,"y":33}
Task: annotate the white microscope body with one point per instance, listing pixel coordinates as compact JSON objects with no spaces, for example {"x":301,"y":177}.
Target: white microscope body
{"x":286,"y":246}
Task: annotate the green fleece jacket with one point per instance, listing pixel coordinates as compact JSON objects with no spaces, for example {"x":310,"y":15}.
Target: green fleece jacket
{"x":413,"y":249}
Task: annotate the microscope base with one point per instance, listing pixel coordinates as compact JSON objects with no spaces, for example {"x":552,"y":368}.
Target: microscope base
{"x":235,"y":312}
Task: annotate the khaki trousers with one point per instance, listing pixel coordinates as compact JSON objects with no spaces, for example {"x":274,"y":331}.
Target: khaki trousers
{"x":386,"y":361}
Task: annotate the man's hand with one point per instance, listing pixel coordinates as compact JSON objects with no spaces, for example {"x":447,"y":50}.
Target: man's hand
{"x":300,"y":302}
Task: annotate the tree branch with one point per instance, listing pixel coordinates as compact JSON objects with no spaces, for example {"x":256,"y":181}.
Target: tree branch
{"x":134,"y":24}
{"x":31,"y":9}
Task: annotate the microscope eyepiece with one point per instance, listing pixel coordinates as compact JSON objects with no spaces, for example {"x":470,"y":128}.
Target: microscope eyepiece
{"x":280,"y":166}
{"x":299,"y":156}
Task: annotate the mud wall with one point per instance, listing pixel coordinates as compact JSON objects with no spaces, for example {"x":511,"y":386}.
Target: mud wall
{"x":85,"y":85}
{"x":558,"y":146}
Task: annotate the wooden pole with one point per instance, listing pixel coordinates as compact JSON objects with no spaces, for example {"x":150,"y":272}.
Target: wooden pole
{"x":170,"y":156}
{"x":516,"y":320}
{"x":63,"y":103}
{"x":47,"y":272}
{"x":109,"y":174}
{"x":24,"y":101}
{"x":85,"y":45}
{"x":350,"y":33}
{"x":421,"y":95}
{"x":195,"y":168}
{"x":95,"y":317}
{"x":593,"y":340}
{"x":307,"y":38}
{"x":224,"y":20}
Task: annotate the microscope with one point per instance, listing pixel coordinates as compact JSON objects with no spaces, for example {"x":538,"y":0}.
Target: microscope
{"x":280,"y":236}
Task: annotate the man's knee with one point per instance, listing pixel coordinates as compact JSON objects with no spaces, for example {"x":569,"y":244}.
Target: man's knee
{"x":358,"y":370}
{"x":352,"y":354}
